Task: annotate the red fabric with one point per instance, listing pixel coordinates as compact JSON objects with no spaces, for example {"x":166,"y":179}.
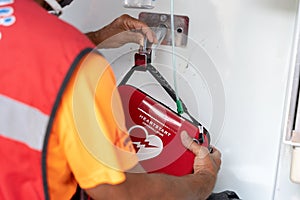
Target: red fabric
{"x":36,"y":52}
{"x":21,"y":173}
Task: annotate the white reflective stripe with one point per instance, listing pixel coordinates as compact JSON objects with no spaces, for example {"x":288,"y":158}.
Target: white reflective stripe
{"x":23,"y":123}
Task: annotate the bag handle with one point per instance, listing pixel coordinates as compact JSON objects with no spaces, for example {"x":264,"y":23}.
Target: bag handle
{"x":143,"y":63}
{"x":163,"y":83}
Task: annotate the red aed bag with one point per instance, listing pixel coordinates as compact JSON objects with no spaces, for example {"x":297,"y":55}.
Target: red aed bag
{"x":155,"y":129}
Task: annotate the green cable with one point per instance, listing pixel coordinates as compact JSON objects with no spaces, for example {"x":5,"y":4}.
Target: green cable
{"x":179,"y":106}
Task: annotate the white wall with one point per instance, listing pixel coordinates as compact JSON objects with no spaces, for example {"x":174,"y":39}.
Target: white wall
{"x":249,"y":44}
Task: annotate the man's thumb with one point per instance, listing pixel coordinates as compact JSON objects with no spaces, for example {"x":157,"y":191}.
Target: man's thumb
{"x":188,"y":143}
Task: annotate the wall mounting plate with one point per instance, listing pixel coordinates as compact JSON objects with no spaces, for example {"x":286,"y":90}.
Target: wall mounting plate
{"x":181,"y":26}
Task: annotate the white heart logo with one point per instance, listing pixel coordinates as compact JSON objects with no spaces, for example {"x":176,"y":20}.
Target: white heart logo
{"x":149,"y":146}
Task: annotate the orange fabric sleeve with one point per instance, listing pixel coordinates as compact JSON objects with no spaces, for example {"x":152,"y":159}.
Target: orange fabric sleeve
{"x":89,"y":143}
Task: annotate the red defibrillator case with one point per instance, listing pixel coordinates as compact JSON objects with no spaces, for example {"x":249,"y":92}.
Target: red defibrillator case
{"x":155,"y":129}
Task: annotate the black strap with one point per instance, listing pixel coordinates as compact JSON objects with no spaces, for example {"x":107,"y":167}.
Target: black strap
{"x":162,"y":81}
{"x":225,"y":195}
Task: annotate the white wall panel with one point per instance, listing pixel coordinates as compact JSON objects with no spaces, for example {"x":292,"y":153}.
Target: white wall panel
{"x":250,"y":43}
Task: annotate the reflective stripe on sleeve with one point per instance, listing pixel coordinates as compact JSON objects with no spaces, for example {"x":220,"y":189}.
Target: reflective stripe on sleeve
{"x":23,"y":123}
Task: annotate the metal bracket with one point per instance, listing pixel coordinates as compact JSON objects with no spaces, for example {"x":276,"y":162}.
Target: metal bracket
{"x":181,"y":26}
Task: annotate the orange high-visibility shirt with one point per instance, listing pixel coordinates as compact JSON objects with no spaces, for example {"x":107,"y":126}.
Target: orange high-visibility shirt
{"x":88,"y":144}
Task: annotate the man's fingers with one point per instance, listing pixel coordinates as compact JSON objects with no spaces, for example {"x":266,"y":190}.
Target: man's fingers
{"x":133,"y":37}
{"x":188,"y":143}
{"x":135,"y":24}
{"x":146,"y":30}
{"x":150,"y":35}
{"x":186,"y":139}
{"x":204,"y":161}
{"x":216,"y":152}
{"x":216,"y":156}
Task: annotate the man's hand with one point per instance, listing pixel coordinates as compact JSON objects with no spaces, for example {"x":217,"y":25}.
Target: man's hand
{"x":204,"y":161}
{"x":124,"y":29}
{"x":161,"y":186}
